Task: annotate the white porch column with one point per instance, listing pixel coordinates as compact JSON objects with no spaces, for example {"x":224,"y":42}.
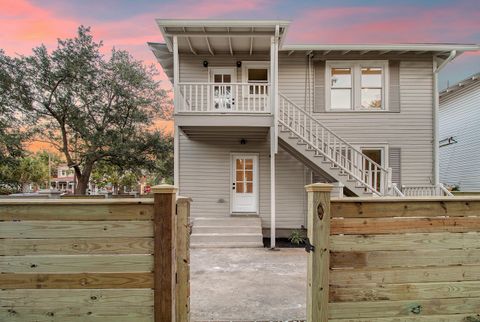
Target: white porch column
{"x":273,"y":131}
{"x":176,"y":138}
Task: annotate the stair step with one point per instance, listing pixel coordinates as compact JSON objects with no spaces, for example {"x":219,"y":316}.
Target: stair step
{"x":228,"y":221}
{"x":227,"y":245}
{"x":225,"y":238}
{"x":257,"y":229}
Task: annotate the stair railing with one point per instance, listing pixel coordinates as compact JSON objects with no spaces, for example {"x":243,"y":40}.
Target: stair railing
{"x":352,"y":162}
{"x":428,"y":190}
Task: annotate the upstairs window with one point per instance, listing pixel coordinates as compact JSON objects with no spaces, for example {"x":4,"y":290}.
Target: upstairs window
{"x":356,"y":85}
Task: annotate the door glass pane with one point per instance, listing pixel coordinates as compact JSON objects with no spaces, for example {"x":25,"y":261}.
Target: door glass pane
{"x":341,"y":98}
{"x":249,"y":187}
{"x":227,"y":78}
{"x":240,"y":163}
{"x":217,"y":78}
{"x":239,"y":187}
{"x":249,"y":175}
{"x":373,"y":174}
{"x":374,"y":154}
{"x":248,"y":164}
{"x":372,"y":97}
{"x":239,"y":175}
{"x":341,"y":77}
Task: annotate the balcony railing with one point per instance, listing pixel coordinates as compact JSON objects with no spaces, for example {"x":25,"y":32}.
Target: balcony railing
{"x":225,"y":98}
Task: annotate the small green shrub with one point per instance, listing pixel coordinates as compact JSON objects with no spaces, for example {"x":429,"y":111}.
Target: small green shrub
{"x":296,"y":237}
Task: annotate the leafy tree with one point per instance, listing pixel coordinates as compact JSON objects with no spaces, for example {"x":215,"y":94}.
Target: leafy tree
{"x":106,"y":174}
{"x":11,"y":138}
{"x":27,"y":170}
{"x":90,"y":107}
{"x":164,"y":164}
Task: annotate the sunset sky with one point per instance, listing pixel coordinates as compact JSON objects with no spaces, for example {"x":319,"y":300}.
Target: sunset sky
{"x":130,"y":24}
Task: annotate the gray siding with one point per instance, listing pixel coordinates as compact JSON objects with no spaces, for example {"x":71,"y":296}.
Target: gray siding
{"x":411,"y":130}
{"x":460,"y":118}
{"x":205,"y":177}
{"x":205,"y":165}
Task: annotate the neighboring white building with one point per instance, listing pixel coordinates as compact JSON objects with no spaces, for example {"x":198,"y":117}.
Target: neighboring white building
{"x":257,"y":119}
{"x":460,"y":134}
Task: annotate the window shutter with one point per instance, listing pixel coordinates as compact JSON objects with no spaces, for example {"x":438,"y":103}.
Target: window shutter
{"x":394,"y":86}
{"x":394,"y":161}
{"x":319,"y":94}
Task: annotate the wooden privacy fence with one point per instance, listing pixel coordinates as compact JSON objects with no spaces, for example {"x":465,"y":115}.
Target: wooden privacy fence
{"x":405,"y":259}
{"x":95,"y":260}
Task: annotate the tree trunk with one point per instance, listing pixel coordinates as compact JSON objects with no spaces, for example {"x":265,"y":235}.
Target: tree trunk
{"x":83,"y":180}
{"x":82,"y":185}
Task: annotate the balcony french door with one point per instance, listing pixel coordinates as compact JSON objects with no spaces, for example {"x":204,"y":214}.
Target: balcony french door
{"x":223,"y":97}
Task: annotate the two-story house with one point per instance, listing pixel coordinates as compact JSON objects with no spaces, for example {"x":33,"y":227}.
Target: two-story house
{"x":257,"y":119}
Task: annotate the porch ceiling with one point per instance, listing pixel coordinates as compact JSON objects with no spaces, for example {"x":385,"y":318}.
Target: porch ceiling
{"x":223,"y":133}
{"x":211,"y":37}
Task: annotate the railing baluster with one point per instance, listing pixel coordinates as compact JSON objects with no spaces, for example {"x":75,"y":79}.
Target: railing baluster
{"x":185,"y":106}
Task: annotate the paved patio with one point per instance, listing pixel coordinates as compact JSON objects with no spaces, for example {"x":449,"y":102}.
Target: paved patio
{"x":248,"y":284}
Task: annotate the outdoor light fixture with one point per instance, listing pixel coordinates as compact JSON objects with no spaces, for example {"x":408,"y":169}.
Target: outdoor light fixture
{"x":205,"y":63}
{"x":239,"y":63}
{"x":243,"y":141}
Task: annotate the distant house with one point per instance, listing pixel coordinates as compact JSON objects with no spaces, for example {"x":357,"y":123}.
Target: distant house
{"x":64,"y":180}
{"x":460,"y":134}
{"x":257,"y":119}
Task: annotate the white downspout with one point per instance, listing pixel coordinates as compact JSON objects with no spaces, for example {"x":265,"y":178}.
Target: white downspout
{"x":436,"y":160}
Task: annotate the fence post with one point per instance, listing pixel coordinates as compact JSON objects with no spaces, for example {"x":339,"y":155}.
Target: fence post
{"x":183,"y":260}
{"x":164,"y":252}
{"x":318,"y":224}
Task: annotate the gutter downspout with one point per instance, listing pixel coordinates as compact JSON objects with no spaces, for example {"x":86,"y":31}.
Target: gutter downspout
{"x":436,"y":160}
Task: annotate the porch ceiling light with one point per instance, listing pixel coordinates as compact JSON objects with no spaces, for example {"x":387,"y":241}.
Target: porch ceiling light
{"x":205,"y":63}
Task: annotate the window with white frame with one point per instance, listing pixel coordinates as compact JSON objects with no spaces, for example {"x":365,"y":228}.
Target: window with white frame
{"x":257,"y":74}
{"x":356,"y":85}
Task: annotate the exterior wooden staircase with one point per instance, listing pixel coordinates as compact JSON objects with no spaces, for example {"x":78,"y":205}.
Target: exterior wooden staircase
{"x":315,"y":144}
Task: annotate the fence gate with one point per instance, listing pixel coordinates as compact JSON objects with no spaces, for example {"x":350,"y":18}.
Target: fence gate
{"x":393,"y":259}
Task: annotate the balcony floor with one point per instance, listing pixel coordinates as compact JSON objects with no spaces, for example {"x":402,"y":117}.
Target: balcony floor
{"x":226,"y":120}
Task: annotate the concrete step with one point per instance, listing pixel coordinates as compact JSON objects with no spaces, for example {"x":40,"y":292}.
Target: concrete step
{"x":227,"y":245}
{"x":228,"y":221}
{"x":257,"y":229}
{"x":235,"y":231}
{"x":225,"y":238}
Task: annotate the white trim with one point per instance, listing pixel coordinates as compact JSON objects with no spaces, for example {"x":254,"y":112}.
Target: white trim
{"x":256,"y":183}
{"x":382,"y":47}
{"x":355,"y":66}
{"x":376,"y":146}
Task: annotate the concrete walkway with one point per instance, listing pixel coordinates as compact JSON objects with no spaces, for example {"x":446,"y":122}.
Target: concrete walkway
{"x":248,"y":284}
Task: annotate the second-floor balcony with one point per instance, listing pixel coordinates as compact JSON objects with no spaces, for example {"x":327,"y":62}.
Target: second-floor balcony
{"x":223,"y":98}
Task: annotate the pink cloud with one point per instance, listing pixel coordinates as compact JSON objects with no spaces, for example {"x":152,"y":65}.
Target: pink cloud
{"x":23,"y":26}
{"x":385,"y":24}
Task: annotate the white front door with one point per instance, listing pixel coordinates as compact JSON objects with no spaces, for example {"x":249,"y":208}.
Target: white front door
{"x":244,"y":183}
{"x":223,"y":96}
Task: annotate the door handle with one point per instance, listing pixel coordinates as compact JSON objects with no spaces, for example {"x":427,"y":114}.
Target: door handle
{"x":233,"y":186}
